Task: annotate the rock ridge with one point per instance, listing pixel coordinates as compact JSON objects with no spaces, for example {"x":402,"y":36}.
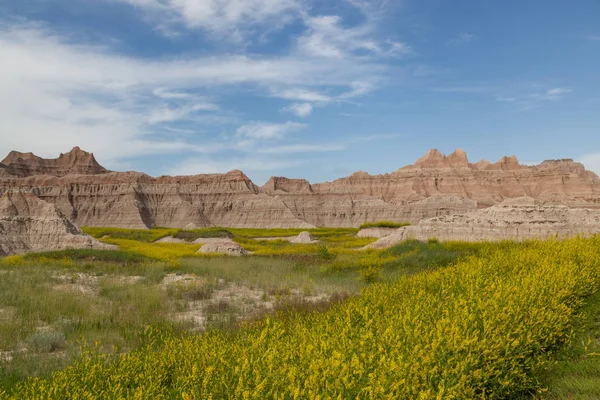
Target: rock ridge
{"x":28,"y":223}
{"x":436,"y":185}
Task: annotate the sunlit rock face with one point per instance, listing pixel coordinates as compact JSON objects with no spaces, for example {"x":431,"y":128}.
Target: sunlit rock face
{"x":436,"y":185}
{"x":513,"y":219}
{"x":30,"y":224}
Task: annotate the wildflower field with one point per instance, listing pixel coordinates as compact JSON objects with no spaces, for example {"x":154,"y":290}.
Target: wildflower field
{"x":446,"y":321}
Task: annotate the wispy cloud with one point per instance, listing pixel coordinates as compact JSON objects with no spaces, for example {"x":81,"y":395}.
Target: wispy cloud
{"x":230,"y":19}
{"x":300,"y":148}
{"x":594,"y":38}
{"x":464,"y":89}
{"x":264,"y":130}
{"x":551,"y":94}
{"x":57,"y":92}
{"x":302,"y":110}
{"x":327,"y":38}
{"x":462,"y":38}
{"x":301,"y":94}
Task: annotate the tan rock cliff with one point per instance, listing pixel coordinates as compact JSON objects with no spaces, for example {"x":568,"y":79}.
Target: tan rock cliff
{"x":30,"y":224}
{"x":435,"y":185}
{"x":513,"y":219}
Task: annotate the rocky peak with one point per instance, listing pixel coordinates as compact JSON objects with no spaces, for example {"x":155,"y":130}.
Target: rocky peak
{"x":482,"y":164}
{"x":76,"y":161}
{"x":281,"y":183}
{"x":458,"y":159}
{"x":433,"y":159}
{"x":507,"y":164}
{"x":565,"y":165}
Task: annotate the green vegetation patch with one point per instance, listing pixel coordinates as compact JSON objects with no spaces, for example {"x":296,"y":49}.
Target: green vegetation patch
{"x":479,"y":328}
{"x":141,"y":235}
{"x":193,"y":234}
{"x":574,"y":372}
{"x":384,"y":224}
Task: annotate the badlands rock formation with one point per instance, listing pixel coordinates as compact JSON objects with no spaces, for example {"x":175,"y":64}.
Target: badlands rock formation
{"x":226,"y":247}
{"x":513,"y":219}
{"x":303,"y":238}
{"x":30,"y":224}
{"x":435,"y":185}
{"x":76,"y":161}
{"x":375,"y":232}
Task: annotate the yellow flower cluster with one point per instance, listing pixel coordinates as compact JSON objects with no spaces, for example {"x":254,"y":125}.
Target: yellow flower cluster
{"x":158,"y":251}
{"x":477,"y":329}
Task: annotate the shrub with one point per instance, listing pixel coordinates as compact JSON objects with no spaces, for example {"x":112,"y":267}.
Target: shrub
{"x":46,"y":341}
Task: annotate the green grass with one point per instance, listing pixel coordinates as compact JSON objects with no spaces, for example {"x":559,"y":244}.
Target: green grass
{"x":479,"y":328}
{"x":575,"y":370}
{"x":141,"y":235}
{"x":193,"y":234}
{"x":384,"y":224}
{"x":127,"y":295}
{"x":281,"y":232}
{"x":49,"y":308}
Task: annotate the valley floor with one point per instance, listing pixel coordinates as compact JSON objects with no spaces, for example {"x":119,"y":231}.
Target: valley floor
{"x":491,"y":315}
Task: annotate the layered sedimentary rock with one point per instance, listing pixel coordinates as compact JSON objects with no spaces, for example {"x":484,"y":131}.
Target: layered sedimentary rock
{"x":229,"y":248}
{"x":30,"y":224}
{"x":76,"y":161}
{"x":375,"y":232}
{"x":513,"y":219}
{"x":435,"y":185}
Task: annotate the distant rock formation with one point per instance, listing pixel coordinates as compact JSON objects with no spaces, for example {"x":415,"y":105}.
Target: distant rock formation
{"x":30,"y":224}
{"x":304,"y":238}
{"x":223,"y":247}
{"x":436,"y":185}
{"x":513,"y":219}
{"x":375,"y":232}
{"x":74,"y":162}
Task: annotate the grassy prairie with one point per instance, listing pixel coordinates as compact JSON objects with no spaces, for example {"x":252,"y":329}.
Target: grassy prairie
{"x":481,"y":327}
{"x":574,"y":372}
{"x":52,"y":302}
{"x":419,"y":320}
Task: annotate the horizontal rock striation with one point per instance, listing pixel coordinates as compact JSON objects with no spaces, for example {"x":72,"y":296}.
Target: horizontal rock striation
{"x":30,"y":224}
{"x":436,"y":185}
{"x":76,"y":161}
{"x":513,"y":219}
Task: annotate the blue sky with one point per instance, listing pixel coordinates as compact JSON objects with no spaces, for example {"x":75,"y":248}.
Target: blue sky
{"x":299,"y":88}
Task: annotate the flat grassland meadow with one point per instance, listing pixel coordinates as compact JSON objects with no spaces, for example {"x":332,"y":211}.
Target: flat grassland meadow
{"x":324,"y":320}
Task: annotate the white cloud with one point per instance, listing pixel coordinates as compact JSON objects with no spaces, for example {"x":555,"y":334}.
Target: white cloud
{"x":166,"y":94}
{"x":265,"y":130}
{"x":359,"y":88}
{"x":326,"y":37}
{"x":462,"y":38}
{"x":594,"y":38}
{"x":301,"y":95}
{"x":300,"y":109}
{"x":591,"y":162}
{"x":233,"y":19}
{"x":170,"y":114}
{"x":463,"y":89}
{"x":55,"y":93}
{"x":551,"y":94}
{"x":299,"y":148}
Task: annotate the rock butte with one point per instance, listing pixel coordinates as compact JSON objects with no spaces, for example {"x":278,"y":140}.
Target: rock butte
{"x":435,"y":185}
{"x":30,"y":224}
{"x":513,"y":219}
